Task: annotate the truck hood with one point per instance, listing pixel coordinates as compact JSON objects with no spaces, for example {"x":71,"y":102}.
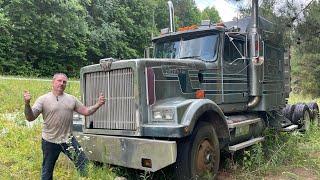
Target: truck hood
{"x":142,"y":63}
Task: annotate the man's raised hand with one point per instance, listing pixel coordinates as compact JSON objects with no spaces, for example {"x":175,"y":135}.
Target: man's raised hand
{"x":101,"y":99}
{"x":26,"y":97}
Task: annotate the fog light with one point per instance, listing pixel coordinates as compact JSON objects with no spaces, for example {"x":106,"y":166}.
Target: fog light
{"x":146,"y":162}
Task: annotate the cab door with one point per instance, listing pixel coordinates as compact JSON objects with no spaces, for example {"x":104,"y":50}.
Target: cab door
{"x":234,"y":71}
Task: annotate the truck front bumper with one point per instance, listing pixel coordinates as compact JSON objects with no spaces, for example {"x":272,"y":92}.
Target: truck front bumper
{"x":137,"y":153}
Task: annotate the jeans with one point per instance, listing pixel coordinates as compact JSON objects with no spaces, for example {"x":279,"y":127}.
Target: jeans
{"x":51,"y":153}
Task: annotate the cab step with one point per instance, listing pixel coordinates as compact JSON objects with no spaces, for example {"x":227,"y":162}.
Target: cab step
{"x":290,"y":128}
{"x":234,"y":124}
{"x":245,"y":144}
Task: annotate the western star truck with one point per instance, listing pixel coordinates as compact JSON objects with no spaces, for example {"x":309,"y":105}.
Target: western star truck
{"x":206,"y":89}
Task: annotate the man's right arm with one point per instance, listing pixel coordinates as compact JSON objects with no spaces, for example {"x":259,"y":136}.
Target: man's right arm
{"x":28,"y":113}
{"x":27,"y":108}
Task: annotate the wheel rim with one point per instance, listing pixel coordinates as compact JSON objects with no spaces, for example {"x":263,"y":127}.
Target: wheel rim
{"x":316,"y":117}
{"x":306,"y":120}
{"x":205,"y":157}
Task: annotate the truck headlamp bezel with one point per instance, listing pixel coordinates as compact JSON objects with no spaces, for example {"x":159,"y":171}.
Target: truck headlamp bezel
{"x":163,"y":115}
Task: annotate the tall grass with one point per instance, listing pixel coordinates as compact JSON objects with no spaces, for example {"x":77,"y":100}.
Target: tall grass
{"x":282,"y":155}
{"x":11,"y":91}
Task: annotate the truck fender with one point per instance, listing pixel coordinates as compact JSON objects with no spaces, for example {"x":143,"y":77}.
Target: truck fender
{"x":197,"y":109}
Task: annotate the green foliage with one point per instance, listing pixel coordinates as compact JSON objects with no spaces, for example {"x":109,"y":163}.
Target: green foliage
{"x":6,"y":50}
{"x":306,"y":52}
{"x":187,"y":13}
{"x":304,"y":98}
{"x":280,"y":152}
{"x":47,"y":36}
{"x":210,"y":14}
{"x":39,"y":38}
{"x":254,"y":157}
{"x":119,"y":29}
{"x":11,"y":92}
{"x":137,"y":29}
{"x":19,"y":156}
{"x":307,"y":73}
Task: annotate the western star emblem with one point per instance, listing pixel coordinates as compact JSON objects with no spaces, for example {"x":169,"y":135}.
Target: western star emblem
{"x":106,"y":63}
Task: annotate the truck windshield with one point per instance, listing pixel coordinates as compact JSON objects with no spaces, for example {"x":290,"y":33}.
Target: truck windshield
{"x":203,"y":48}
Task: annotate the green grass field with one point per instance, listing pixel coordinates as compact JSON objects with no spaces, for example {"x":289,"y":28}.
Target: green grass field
{"x":281,"y":156}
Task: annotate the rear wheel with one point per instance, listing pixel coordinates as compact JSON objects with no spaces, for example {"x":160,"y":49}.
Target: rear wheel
{"x":301,"y":117}
{"x":306,"y":121}
{"x":288,"y":111}
{"x":199,"y":154}
{"x":314,"y":108}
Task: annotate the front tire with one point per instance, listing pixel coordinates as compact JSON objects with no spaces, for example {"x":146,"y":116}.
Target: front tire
{"x":199,"y":154}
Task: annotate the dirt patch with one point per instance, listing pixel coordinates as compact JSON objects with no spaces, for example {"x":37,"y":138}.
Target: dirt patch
{"x":223,"y":175}
{"x":315,"y":155}
{"x":295,"y":173}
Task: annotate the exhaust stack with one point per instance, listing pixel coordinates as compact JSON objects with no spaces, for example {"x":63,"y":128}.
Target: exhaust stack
{"x":255,"y":72}
{"x":171,"y":13}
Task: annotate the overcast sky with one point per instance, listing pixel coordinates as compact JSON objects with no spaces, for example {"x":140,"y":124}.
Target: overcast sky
{"x":228,"y":10}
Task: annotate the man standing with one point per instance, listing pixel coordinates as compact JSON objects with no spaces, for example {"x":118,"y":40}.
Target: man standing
{"x":57,"y":110}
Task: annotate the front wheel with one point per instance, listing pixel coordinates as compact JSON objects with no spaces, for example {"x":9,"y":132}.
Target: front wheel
{"x":199,"y":154}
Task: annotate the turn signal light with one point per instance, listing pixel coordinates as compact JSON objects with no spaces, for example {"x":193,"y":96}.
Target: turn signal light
{"x":200,"y":94}
{"x":187,"y":28}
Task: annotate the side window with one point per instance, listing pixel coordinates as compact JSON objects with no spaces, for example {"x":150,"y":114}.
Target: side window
{"x":230,"y":51}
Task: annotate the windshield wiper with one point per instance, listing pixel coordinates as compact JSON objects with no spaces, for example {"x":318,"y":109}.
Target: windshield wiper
{"x":191,"y":57}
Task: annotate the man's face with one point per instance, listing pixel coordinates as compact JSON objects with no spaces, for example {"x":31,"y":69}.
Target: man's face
{"x":59,"y":83}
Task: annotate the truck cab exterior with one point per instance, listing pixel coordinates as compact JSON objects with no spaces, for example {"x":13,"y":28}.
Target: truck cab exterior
{"x":204,"y":91}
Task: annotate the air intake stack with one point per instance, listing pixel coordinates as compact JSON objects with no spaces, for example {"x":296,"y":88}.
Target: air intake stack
{"x":171,"y":13}
{"x":255,"y":72}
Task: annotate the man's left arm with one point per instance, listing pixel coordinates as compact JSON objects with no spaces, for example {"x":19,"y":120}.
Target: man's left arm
{"x":87,"y":111}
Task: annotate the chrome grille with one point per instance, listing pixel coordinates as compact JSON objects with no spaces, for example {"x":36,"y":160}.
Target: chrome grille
{"x":118,"y":113}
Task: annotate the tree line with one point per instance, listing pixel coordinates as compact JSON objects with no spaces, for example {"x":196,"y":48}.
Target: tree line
{"x":40,"y":37}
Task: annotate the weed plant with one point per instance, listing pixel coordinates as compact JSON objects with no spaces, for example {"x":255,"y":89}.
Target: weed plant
{"x":282,"y":152}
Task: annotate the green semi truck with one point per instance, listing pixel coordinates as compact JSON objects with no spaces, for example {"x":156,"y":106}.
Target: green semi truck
{"x":206,"y":89}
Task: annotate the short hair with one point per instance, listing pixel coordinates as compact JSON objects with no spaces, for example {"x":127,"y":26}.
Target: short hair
{"x":59,"y":74}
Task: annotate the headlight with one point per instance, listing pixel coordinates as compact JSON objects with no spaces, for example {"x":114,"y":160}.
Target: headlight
{"x":168,"y":114}
{"x":163,"y":114}
{"x":157,"y":115}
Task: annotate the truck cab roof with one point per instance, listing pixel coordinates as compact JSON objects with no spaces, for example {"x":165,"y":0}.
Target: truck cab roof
{"x":197,"y":31}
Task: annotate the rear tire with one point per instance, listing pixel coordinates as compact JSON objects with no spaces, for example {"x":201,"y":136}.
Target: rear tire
{"x":301,"y":117}
{"x":199,"y":154}
{"x":288,"y":111}
{"x":314,"y":108}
